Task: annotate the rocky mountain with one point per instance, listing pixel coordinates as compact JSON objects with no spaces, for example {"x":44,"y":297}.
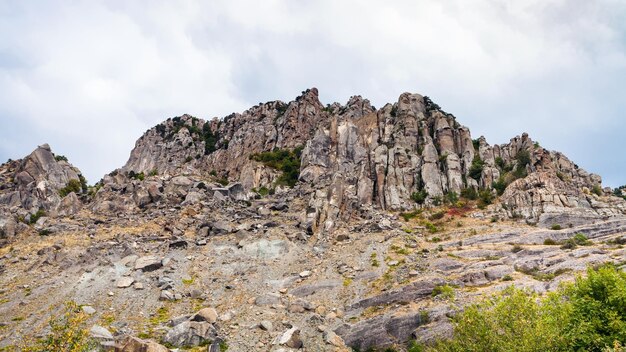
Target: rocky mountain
{"x":356,"y":158}
{"x":295,"y":225}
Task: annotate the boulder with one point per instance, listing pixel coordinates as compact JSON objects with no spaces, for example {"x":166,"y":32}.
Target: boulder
{"x":133,"y":344}
{"x":206,"y":314}
{"x":290,"y":338}
{"x":190,"y":333}
{"x":148,"y":263}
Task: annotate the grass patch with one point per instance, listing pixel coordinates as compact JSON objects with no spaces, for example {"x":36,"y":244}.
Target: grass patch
{"x":444,"y":291}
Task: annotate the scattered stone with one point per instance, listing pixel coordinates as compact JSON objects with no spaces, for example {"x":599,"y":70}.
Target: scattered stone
{"x":133,"y":344}
{"x":289,"y":338}
{"x":190,"y":333}
{"x":305,"y":273}
{"x":89,"y":310}
{"x":266,"y":325}
{"x":267,"y":299}
{"x":167,"y":296}
{"x":333,"y":339}
{"x":124,"y":282}
{"x":100,"y":332}
{"x":206,"y":314}
{"x":148,"y":263}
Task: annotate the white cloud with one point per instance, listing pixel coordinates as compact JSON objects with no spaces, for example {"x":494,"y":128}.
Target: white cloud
{"x":91,"y":77}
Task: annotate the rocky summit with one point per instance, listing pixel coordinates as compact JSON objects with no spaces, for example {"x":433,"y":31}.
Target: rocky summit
{"x":293,"y":226}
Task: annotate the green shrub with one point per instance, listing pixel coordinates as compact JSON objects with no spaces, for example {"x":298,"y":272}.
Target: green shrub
{"x":72,"y":186}
{"x":210,"y":138}
{"x":469,"y":193}
{"x":443,"y":291}
{"x":579,"y":239}
{"x":549,"y":242}
{"x":34,"y":217}
{"x":500,"y":185}
{"x":597,"y":190}
{"x":587,"y":315}
{"x":68,"y":333}
{"x":476,"y":169}
{"x":263,"y":191}
{"x":451,"y":198}
{"x":410,"y":215}
{"x":420,"y":196}
{"x":555,"y":227}
{"x":500,"y":163}
{"x":517,"y":248}
{"x":136,"y":176}
{"x":485,"y":198}
{"x":523,"y":159}
{"x":287,"y":161}
{"x":60,"y":158}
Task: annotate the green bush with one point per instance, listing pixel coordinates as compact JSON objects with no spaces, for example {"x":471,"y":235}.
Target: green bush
{"x":210,"y":138}
{"x":587,"y":315}
{"x":33,"y":218}
{"x":451,"y":198}
{"x":72,"y":186}
{"x":549,"y":242}
{"x":469,"y":193}
{"x":555,"y":227}
{"x":485,"y":198}
{"x":500,"y":185}
{"x":476,"y":169}
{"x":68,"y":333}
{"x":579,"y":239}
{"x":287,"y":161}
{"x":420,"y":196}
{"x":443,"y":291}
{"x":523,"y":159}
{"x":500,"y":163}
{"x":597,"y":190}
{"x":60,"y":158}
{"x":263,"y":191}
{"x":410,"y":215}
{"x":136,"y":176}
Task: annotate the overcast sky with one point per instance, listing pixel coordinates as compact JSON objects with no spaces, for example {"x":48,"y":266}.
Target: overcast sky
{"x":89,"y":77}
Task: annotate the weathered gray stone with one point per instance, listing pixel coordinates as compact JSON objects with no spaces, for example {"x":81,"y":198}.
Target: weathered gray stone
{"x":190,"y":333}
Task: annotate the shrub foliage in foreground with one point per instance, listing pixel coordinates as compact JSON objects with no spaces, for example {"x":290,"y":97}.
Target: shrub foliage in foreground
{"x":68,"y":333}
{"x":587,"y":315}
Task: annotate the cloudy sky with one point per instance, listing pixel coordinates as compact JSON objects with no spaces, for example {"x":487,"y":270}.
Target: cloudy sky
{"x":89,"y":77}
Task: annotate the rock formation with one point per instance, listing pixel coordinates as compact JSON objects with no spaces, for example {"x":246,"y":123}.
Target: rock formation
{"x":356,"y":158}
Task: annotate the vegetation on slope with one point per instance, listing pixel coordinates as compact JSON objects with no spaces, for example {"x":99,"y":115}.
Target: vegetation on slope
{"x":285,"y":160}
{"x":587,"y":315}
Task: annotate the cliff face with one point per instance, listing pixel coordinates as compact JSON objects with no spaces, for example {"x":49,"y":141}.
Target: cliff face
{"x":356,"y":158}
